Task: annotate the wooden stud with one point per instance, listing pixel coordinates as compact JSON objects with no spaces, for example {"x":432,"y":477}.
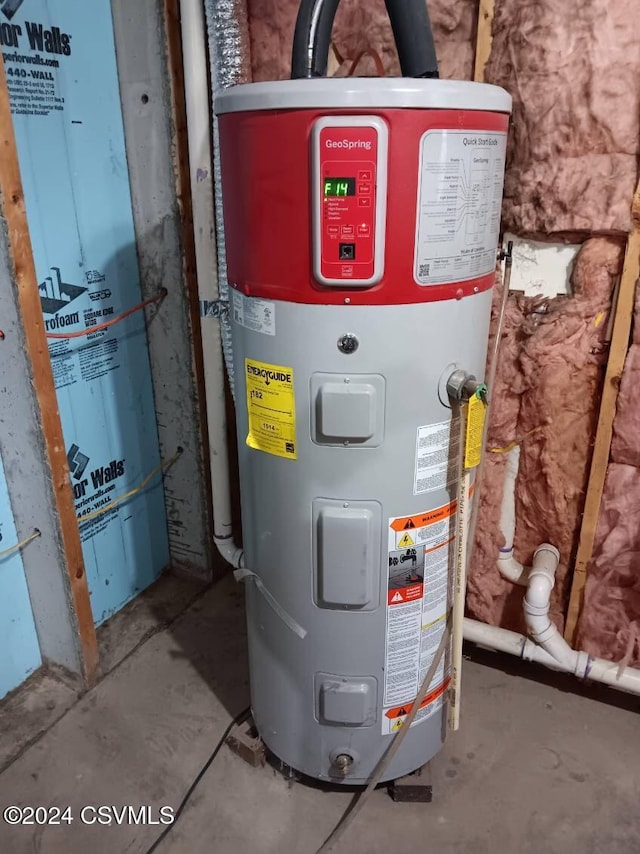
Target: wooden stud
{"x":484,"y":38}
{"x":604,"y":431}
{"x":13,"y":209}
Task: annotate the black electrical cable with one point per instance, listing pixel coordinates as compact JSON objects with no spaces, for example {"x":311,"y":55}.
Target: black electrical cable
{"x":239,"y":719}
{"x":411,"y":30}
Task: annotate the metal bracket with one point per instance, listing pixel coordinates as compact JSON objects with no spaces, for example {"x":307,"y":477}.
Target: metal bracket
{"x":506,"y":254}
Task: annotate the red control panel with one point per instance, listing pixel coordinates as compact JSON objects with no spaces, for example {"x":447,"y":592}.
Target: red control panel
{"x":346,"y":203}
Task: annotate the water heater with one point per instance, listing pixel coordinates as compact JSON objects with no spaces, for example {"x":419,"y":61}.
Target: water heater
{"x":361,"y":225}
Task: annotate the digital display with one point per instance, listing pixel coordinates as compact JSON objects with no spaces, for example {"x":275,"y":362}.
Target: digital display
{"x":339,"y":186}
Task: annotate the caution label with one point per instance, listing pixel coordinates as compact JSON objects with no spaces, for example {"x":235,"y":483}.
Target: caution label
{"x":271,"y":408}
{"x":437,"y":456}
{"x":405,"y":709}
{"x":423,"y":520}
{"x":476,"y":410}
{"x":417,"y":603}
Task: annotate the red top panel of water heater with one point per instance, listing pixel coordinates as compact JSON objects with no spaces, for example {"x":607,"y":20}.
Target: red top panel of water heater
{"x":268,"y":189}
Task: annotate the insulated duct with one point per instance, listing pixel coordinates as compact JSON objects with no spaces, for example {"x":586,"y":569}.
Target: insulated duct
{"x":411,"y":30}
{"x":228,"y":40}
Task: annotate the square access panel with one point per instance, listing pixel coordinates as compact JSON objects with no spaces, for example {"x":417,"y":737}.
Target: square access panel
{"x":346,"y":553}
{"x":346,"y":700}
{"x":347,"y":410}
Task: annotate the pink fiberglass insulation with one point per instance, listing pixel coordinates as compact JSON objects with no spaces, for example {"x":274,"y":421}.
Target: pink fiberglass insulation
{"x":625,"y":446}
{"x":610,"y":622}
{"x":573,"y":69}
{"x":546,"y":397}
{"x":360,"y":26}
{"x":562,"y":360}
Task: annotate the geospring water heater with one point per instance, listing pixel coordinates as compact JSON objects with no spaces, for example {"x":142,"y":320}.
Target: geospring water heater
{"x":361,"y":226}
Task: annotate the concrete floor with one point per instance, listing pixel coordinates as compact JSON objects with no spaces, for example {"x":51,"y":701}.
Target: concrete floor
{"x":47,"y":695}
{"x":534,"y":769}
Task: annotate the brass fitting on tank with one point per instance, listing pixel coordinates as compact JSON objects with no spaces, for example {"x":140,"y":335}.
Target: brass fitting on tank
{"x":462,"y":386}
{"x":342,"y":763}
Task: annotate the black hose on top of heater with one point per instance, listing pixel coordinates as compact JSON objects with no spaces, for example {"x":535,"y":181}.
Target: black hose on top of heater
{"x":312,"y":38}
{"x":411,"y":31}
{"x":413,"y":36}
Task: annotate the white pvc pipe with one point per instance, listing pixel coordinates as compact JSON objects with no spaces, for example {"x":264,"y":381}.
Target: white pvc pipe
{"x":502,"y":640}
{"x":508,"y":507}
{"x":597,"y":670}
{"x":508,"y":566}
{"x":200,"y":170}
{"x":544,"y":632}
{"x":625,"y":679}
{"x":539,"y":579}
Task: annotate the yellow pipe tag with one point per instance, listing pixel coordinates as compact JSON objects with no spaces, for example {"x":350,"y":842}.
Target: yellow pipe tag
{"x":475,"y":426}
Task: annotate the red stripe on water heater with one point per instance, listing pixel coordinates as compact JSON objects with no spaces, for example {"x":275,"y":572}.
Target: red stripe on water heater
{"x":266,"y":167}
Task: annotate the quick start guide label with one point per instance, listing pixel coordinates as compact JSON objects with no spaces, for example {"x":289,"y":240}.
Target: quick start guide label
{"x":347,"y":176}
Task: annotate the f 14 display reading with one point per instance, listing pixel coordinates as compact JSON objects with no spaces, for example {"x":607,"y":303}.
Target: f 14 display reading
{"x":339,"y":186}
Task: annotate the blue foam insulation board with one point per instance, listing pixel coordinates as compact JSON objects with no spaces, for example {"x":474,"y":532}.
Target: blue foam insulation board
{"x":19,"y":649}
{"x":61,"y":70}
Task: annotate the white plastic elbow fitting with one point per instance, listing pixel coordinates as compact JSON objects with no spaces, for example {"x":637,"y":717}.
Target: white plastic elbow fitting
{"x":231,"y":552}
{"x":512,"y":569}
{"x":536,"y":600}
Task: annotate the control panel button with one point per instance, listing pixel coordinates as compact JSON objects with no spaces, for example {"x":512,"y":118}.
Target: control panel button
{"x":364,"y":175}
{"x":364,"y":188}
{"x":364,"y":202}
{"x":333,"y":229}
{"x":347,"y":231}
{"x":347,"y":251}
{"x":364,"y":230}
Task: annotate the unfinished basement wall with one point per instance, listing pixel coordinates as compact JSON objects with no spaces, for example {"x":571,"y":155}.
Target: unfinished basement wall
{"x":18,"y":635}
{"x":573,"y":70}
{"x":610,"y":619}
{"x":105,"y":227}
{"x":63,"y":87}
{"x":147,"y":42}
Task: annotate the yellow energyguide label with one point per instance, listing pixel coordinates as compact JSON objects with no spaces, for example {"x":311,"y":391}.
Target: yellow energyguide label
{"x":271,"y":407}
{"x":475,"y":425}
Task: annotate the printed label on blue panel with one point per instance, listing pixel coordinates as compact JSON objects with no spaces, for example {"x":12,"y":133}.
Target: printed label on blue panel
{"x":19,"y":650}
{"x":61,"y":72}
